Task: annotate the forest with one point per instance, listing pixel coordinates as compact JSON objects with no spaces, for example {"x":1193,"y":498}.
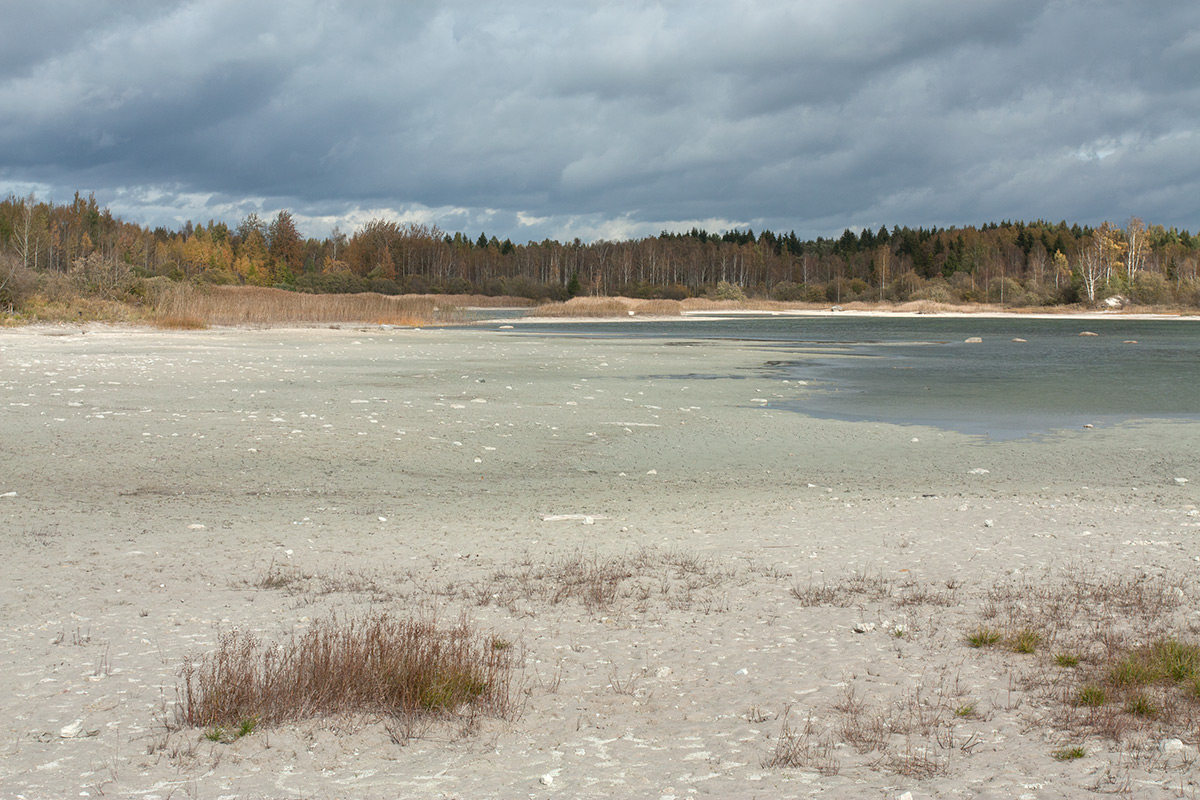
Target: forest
{"x":48,"y":248}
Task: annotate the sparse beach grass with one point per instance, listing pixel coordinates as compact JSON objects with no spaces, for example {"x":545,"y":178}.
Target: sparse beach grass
{"x":1121,"y":663}
{"x":679,"y":578}
{"x":1121,"y":670}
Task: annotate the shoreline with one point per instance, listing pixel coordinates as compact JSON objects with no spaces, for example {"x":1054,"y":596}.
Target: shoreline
{"x":880,"y":313}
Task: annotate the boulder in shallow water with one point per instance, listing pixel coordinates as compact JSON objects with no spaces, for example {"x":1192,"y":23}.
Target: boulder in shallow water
{"x":974,"y":340}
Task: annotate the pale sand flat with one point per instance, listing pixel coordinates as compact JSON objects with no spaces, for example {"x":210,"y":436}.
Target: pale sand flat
{"x":150,"y":479}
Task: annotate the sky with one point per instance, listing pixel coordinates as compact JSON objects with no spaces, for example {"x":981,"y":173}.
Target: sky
{"x":606,"y":120}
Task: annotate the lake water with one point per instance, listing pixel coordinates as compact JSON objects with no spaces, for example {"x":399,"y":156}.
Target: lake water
{"x":921,"y":370}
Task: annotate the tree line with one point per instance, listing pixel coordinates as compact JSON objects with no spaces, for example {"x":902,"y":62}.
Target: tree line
{"x":1035,"y":263}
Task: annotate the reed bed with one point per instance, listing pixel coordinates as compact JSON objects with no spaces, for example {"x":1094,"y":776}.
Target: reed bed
{"x":752,"y":304}
{"x":480,"y":301}
{"x":608,"y":307}
{"x":253,"y":305}
{"x":172,"y":322}
{"x":377,"y":665}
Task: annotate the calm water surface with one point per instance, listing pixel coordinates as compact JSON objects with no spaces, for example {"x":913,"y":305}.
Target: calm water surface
{"x":921,"y":370}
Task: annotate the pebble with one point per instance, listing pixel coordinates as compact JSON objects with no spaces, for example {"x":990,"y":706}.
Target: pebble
{"x":864,"y":627}
{"x":1170,"y":746}
{"x":980,"y":471}
{"x":71,"y":731}
{"x":1181,"y":481}
{"x":988,"y":523}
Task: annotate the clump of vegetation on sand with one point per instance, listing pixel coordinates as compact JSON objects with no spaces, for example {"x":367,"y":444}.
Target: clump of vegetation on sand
{"x":376,"y":665}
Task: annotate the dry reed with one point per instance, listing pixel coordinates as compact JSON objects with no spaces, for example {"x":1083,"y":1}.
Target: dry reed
{"x":608,"y":307}
{"x":178,"y":323}
{"x":703,"y":304}
{"x":480,"y":301}
{"x":253,"y":305}
{"x":375,"y":665}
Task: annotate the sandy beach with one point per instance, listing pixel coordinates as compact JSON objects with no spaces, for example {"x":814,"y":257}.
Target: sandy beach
{"x":792,"y":582}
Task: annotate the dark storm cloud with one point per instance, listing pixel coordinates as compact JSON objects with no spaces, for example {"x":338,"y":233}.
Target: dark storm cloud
{"x":568,"y":119}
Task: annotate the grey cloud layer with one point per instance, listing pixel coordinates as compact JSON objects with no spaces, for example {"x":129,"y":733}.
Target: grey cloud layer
{"x":616,"y":118}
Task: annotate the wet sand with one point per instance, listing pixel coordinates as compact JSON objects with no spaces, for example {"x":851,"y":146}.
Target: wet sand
{"x":152,"y":478}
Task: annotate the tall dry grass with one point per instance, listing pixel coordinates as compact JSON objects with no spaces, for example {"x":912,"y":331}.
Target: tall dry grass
{"x":752,"y":304}
{"x":375,"y":665}
{"x":602,"y":307}
{"x":254,"y":305}
{"x":481,"y":301}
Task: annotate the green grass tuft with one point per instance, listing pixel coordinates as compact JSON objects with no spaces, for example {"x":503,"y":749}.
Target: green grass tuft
{"x":1066,"y":660}
{"x":1069,"y":753}
{"x":983,"y":636}
{"x":1141,"y":706}
{"x":1025,"y":641}
{"x":1092,"y":696}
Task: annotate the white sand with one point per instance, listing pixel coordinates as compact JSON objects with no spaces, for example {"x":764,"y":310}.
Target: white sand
{"x":151,"y":478}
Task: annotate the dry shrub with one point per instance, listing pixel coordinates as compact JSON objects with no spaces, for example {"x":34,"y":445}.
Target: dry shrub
{"x":802,"y":748}
{"x":16,"y":283}
{"x":254,"y":305}
{"x":376,"y":665}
